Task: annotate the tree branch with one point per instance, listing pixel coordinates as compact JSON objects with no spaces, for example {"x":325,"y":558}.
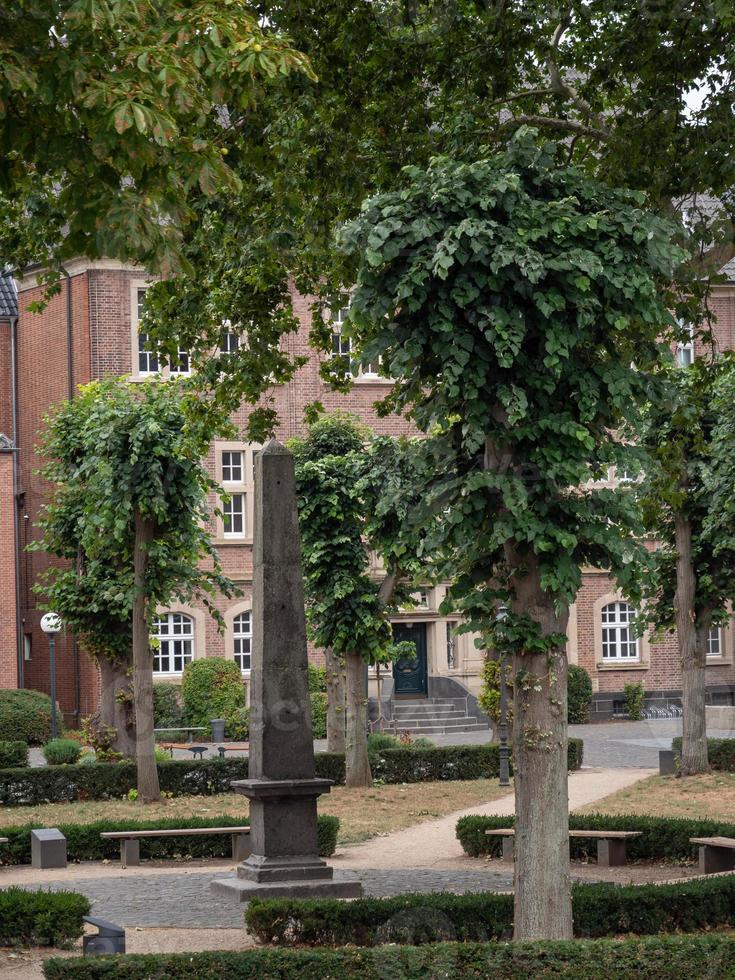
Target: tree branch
{"x":551,"y":122}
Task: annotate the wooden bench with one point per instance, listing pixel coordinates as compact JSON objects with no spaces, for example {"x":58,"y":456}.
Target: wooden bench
{"x":610,"y":843}
{"x":130,"y":840}
{"x":715,"y":854}
{"x":223,"y":749}
{"x":194,"y":749}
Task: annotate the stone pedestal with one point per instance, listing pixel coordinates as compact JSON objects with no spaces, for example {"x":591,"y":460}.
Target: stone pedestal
{"x":282,"y":786}
{"x":48,"y":849}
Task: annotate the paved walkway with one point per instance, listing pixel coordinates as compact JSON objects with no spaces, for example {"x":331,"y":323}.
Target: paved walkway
{"x":423,"y":858}
{"x":433,"y":844}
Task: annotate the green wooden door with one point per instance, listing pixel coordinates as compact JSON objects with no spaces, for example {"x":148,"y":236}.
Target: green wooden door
{"x":411,"y":673}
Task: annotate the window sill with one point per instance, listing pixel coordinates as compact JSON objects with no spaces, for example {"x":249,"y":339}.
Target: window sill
{"x":622,"y":665}
{"x":718,"y":662}
{"x":232,"y":541}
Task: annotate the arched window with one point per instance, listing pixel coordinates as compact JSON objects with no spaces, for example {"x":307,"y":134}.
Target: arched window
{"x":242,"y":636}
{"x":619,"y":642}
{"x":175,"y":634}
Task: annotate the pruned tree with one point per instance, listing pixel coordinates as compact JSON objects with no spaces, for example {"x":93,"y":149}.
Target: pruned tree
{"x":509,"y":298}
{"x":355,"y":504}
{"x":690,"y":578}
{"x":130,"y":499}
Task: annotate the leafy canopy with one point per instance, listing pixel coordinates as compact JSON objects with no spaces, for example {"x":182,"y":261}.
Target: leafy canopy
{"x":117,"y":448}
{"x":510,"y":298}
{"x":112,"y":115}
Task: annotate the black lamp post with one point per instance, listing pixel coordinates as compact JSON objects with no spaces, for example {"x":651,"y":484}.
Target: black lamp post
{"x":51,"y":625}
{"x":503,"y":752}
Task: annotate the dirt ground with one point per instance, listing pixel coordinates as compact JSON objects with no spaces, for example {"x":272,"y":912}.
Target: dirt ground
{"x":711,"y":796}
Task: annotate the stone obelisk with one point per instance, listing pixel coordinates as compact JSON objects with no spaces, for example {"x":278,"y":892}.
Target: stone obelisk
{"x":281,"y":784}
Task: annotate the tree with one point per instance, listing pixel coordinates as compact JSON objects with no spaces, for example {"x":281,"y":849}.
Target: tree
{"x":690,"y":578}
{"x":112,"y":114}
{"x":509,"y":297}
{"x":131,"y":500}
{"x":353,"y":501}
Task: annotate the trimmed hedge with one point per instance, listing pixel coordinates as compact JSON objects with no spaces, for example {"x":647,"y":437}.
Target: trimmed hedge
{"x":599,"y":910}
{"x":205,"y":777}
{"x":579,"y":695}
{"x":13,"y":755}
{"x":26,"y":715}
{"x":720,"y":752}
{"x":62,"y":752}
{"x":41,"y":918}
{"x":655,"y":959}
{"x":83,"y":841}
{"x":662,"y":838}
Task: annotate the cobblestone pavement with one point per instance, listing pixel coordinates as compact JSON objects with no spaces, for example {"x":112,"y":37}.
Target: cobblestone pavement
{"x":185,"y":901}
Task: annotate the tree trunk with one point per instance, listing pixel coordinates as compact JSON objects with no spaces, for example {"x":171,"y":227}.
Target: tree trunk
{"x":116,"y":707}
{"x":148,"y":788}
{"x":543,"y":904}
{"x":693,"y":656}
{"x":357,"y":764}
{"x":335,"y":702}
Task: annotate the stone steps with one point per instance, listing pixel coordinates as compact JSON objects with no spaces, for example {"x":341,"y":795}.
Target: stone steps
{"x":438,"y":716}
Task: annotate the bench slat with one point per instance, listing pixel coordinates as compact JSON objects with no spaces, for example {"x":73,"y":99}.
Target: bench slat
{"x":728,"y":842}
{"x":4,"y":840}
{"x":600,"y":834}
{"x":187,"y":832}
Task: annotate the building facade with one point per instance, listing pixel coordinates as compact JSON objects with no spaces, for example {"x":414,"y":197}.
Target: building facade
{"x":90,"y":330}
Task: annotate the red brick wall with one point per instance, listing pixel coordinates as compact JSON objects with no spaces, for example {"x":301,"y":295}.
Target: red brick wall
{"x":102,"y":346}
{"x":8,"y":639}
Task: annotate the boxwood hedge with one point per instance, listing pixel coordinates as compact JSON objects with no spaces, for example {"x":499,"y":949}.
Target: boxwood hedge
{"x":49,"y":784}
{"x":13,"y":754}
{"x":654,"y":959}
{"x":41,"y":918}
{"x":83,"y":841}
{"x":720,"y":751}
{"x":662,"y":838}
{"x":599,"y":910}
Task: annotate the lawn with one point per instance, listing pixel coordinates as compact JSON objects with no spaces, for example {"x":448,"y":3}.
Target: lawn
{"x":363,"y":813}
{"x":666,"y":796}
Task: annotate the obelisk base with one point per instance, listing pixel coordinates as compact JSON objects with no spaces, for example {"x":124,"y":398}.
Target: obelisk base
{"x":347,"y":885}
{"x":285,"y":861}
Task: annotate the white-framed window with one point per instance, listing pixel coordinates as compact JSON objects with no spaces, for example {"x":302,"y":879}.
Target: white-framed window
{"x":714,"y":642}
{"x":242,"y":639}
{"x":229,"y":341}
{"x":685,"y":348}
{"x":175,"y":634}
{"x":342,"y":348}
{"x":233,"y":516}
{"x":147,"y":362}
{"x":147,"y":359}
{"x":619,"y":641}
{"x":232,"y":466}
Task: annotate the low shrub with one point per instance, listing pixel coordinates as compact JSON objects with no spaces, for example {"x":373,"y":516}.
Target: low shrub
{"x":318,"y":714}
{"x":84,"y":843}
{"x":633,"y":696}
{"x":41,"y":918}
{"x":579,"y":695}
{"x":168,"y":711}
{"x":213,"y":688}
{"x":720,"y":752}
{"x":62,"y":751}
{"x":317,"y":679}
{"x":662,"y":838}
{"x":207,"y":777}
{"x":25,"y":715}
{"x":655,"y":959}
{"x":13,"y":755}
{"x":378,"y":742}
{"x":238,"y":724}
{"x":599,"y":910}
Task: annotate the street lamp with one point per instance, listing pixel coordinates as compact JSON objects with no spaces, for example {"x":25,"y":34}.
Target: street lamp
{"x":503,"y":753}
{"x":51,"y":625}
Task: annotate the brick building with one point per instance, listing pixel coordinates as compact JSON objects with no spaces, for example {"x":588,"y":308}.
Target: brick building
{"x":90,"y":330}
